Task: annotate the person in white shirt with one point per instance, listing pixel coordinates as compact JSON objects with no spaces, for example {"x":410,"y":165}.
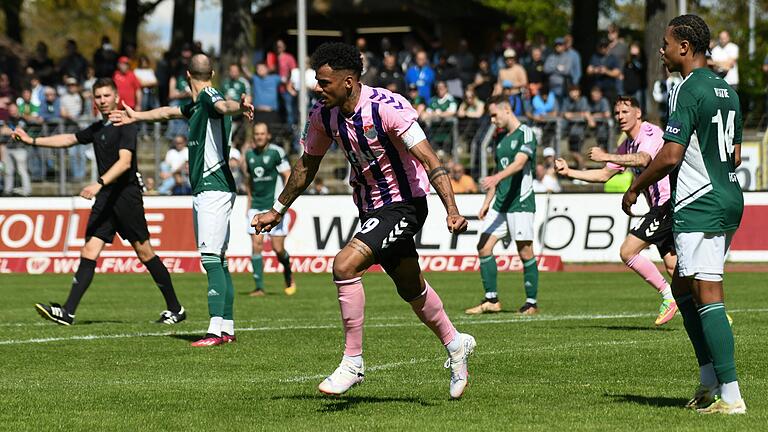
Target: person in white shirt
{"x":724,"y":59}
{"x":175,"y":158}
{"x":544,"y":183}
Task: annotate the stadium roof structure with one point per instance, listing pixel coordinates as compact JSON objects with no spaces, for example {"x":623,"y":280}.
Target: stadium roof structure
{"x":443,"y":20}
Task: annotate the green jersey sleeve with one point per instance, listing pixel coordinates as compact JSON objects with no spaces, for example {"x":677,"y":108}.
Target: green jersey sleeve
{"x":528,"y":146}
{"x":188,"y":109}
{"x":683,"y":120}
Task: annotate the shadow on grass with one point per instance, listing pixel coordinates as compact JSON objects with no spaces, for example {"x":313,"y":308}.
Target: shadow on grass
{"x":654,"y":401}
{"x":343,"y":403}
{"x":629,"y":328}
{"x":87,"y":322}
{"x":186,"y":337}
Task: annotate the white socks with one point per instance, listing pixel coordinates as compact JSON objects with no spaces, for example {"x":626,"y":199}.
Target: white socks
{"x":730,"y":392}
{"x":530,"y":300}
{"x":355,"y":360}
{"x":228,"y":327}
{"x":666,"y":293}
{"x":214,"y":327}
{"x":454,"y":344}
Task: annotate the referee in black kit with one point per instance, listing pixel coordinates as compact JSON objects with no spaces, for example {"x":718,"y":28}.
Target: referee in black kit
{"x":118,"y":208}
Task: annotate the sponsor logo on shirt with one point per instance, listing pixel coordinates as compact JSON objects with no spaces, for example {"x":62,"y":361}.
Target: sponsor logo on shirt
{"x":369,"y":131}
{"x":673,"y":127}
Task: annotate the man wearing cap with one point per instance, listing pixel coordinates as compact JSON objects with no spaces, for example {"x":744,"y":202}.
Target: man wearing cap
{"x":513,"y":73}
{"x":128,"y":86}
{"x":558,"y":66}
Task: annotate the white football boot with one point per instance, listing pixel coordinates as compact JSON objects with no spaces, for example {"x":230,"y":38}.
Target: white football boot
{"x":457,"y":363}
{"x":343,"y":378}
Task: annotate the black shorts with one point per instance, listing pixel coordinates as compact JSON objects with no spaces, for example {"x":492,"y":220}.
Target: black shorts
{"x":656,"y":228}
{"x":118,"y":211}
{"x":389,"y":231}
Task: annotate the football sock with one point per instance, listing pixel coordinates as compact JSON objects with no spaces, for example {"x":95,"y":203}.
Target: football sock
{"x":229,"y":294}
{"x":355,"y":360}
{"x":719,"y":337}
{"x":531,"y":279}
{"x":530,"y":300}
{"x":228,"y":326}
{"x":707,"y":376}
{"x":80,"y":283}
{"x":492,"y":297}
{"x":730,"y":392}
{"x":352,"y":304}
{"x":454,"y":344}
{"x":648,"y":271}
{"x":692,"y":324}
{"x":285,"y":260}
{"x":214,"y":328}
{"x":258,"y":271}
{"x":429,"y":308}
{"x":217,"y":284}
{"x":488,"y":272}
{"x":163,"y":281}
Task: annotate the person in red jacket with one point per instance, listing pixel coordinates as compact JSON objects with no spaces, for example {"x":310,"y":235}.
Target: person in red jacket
{"x":128,"y":86}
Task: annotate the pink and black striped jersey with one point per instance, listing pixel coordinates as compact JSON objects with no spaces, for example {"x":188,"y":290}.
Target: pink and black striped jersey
{"x":648,"y":140}
{"x":383,"y":170}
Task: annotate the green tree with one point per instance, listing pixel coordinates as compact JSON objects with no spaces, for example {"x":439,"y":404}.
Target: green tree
{"x":547,"y":17}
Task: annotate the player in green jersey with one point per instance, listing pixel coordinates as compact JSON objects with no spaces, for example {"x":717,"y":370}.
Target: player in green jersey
{"x":702,"y":147}
{"x":262,"y":164}
{"x":213,"y":186}
{"x":513,"y":208}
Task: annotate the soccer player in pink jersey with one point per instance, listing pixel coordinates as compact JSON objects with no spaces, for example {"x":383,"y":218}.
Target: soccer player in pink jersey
{"x":644,"y":140}
{"x":389,"y":155}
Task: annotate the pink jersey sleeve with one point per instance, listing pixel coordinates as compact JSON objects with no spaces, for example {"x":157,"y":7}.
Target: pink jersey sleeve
{"x":650,"y":139}
{"x":314,"y":137}
{"x":622,"y":150}
{"x":397,"y":115}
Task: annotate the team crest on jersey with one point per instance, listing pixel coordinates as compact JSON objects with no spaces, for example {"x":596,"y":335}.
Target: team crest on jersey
{"x":266,"y":159}
{"x":369,"y":131}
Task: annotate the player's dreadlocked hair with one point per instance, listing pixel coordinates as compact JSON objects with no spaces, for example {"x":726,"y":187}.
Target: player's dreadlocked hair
{"x":339,"y":56}
{"x":694,"y":30}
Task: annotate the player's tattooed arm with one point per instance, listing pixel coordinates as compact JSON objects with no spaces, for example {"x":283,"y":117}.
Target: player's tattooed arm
{"x":438,"y":176}
{"x":639,"y":159}
{"x":302,"y":174}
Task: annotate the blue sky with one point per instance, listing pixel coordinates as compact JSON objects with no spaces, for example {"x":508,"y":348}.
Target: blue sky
{"x":207,"y":22}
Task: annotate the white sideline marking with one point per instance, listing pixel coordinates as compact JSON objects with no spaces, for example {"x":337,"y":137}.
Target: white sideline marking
{"x":412,"y":361}
{"x":410,"y":323}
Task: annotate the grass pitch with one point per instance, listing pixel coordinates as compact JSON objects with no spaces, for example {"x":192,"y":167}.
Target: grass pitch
{"x":592,"y":360}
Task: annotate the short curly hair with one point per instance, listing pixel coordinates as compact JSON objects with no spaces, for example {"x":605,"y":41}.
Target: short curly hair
{"x":339,"y":56}
{"x":692,"y":29}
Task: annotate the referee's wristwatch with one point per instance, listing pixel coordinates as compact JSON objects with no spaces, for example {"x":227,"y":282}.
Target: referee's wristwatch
{"x":100,"y":181}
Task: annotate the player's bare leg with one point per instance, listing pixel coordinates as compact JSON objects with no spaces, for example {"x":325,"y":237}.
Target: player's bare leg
{"x":65,"y":315}
{"x":349,"y":265}
{"x":427,"y":305}
{"x":278,"y":246}
{"x":257,"y":246}
{"x":488,"y":274}
{"x":174,"y":312}
{"x":630,"y":255}
{"x":530,"y":277}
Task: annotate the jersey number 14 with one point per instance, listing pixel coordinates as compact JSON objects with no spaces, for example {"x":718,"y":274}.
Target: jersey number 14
{"x":725,"y":134}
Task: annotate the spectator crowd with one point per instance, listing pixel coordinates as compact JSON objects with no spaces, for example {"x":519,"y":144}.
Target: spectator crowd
{"x":550,"y":87}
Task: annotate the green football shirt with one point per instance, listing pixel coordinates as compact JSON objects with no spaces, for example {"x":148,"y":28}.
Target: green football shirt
{"x":234,"y":89}
{"x":264,"y":168}
{"x":705,"y":118}
{"x":209,"y":134}
{"x":515,"y":193}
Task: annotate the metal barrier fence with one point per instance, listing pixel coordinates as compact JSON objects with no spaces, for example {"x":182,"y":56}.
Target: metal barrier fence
{"x":469,"y":140}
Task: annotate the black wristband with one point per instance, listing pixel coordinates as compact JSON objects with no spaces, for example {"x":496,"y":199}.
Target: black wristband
{"x":34,"y":141}
{"x":100,"y":181}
